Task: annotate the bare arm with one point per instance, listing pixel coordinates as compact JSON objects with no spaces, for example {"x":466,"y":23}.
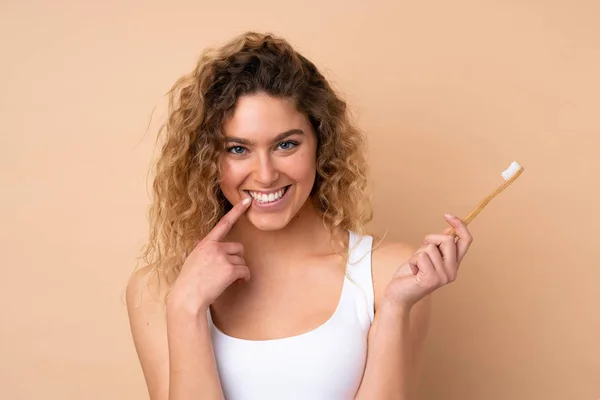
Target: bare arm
{"x":193,"y":373}
{"x":397,"y":336}
{"x":173,"y":345}
{"x":396,"y":341}
{"x":403,"y":308}
{"x":173,"y":342}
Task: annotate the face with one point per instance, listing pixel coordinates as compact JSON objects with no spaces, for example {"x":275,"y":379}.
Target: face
{"x":270,"y":154}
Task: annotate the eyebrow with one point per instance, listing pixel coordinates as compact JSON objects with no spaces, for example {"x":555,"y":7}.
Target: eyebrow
{"x":281,"y":136}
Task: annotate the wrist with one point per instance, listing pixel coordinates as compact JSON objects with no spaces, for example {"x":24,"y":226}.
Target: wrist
{"x":393,"y":308}
{"x":180,"y":308}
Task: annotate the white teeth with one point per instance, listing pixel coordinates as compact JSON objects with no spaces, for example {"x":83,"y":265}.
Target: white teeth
{"x":267,"y":198}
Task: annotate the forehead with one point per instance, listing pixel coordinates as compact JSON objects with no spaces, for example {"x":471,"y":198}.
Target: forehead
{"x":263,"y":116}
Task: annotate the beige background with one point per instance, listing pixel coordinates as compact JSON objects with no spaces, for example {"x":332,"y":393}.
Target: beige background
{"x":449,"y":92}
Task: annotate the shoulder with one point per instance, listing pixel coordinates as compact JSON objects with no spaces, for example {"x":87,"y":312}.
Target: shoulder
{"x":143,"y":288}
{"x":145,"y":303}
{"x":145,"y":297}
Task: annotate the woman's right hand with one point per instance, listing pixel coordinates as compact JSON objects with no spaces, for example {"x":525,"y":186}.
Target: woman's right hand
{"x":211,"y":267}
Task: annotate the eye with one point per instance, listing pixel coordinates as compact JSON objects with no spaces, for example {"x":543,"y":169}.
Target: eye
{"x":288,"y":145}
{"x":236,"y":150}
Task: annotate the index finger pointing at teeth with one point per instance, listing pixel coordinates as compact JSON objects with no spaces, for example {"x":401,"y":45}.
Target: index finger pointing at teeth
{"x":228,"y":220}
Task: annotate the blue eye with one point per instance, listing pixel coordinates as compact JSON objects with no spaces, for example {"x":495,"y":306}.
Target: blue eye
{"x":236,"y":150}
{"x":288,"y":145}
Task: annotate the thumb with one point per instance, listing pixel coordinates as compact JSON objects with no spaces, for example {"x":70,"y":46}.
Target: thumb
{"x":412,"y":264}
{"x":455,"y":223}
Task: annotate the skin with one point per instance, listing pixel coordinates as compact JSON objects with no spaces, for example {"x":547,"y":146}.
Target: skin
{"x":256,"y":270}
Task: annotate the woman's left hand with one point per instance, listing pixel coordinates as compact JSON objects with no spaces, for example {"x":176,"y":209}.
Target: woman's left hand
{"x":433,"y":265}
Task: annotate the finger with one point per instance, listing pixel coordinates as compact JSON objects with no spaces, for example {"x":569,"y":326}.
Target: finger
{"x":427,"y":238}
{"x":447,"y":247}
{"x":412,"y":264}
{"x":233,"y":248}
{"x":426,"y":271}
{"x":437,"y":262}
{"x":446,"y":244}
{"x":464,"y":236}
{"x":242,"y":272}
{"x":450,"y":231}
{"x":228,"y":220}
{"x":236,"y":260}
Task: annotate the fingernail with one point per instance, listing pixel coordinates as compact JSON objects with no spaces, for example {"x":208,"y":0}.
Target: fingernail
{"x":449,"y":216}
{"x":246,"y":201}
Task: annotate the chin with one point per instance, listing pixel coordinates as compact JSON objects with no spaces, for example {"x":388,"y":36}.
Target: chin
{"x":268,"y":223}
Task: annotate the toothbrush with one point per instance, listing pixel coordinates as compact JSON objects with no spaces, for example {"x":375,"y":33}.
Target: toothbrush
{"x":510,"y":175}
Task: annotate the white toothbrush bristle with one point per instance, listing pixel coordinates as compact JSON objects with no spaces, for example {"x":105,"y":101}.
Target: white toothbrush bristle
{"x":511,"y":171}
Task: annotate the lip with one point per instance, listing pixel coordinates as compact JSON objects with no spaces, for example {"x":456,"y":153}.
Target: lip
{"x":275,"y":205}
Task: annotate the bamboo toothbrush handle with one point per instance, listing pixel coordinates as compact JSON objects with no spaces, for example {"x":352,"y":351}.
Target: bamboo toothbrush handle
{"x":471,"y":216}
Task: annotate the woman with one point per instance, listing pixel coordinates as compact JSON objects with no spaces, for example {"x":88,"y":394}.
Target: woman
{"x":261,"y":280}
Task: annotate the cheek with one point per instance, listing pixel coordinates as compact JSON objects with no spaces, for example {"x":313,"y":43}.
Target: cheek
{"x":231,"y":175}
{"x":304,"y":167}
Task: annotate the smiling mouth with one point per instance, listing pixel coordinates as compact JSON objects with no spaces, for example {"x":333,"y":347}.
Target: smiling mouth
{"x":271,"y":197}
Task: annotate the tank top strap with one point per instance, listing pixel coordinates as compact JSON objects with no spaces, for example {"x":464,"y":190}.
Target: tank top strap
{"x":359,"y":268}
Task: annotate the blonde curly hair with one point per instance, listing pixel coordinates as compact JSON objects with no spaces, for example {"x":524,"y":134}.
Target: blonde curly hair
{"x":187,"y":199}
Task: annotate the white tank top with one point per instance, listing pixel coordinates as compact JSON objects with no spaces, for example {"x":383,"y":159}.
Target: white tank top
{"x":325,"y":363}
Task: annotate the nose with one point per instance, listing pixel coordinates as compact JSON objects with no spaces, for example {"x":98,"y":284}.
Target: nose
{"x":265,"y":171}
